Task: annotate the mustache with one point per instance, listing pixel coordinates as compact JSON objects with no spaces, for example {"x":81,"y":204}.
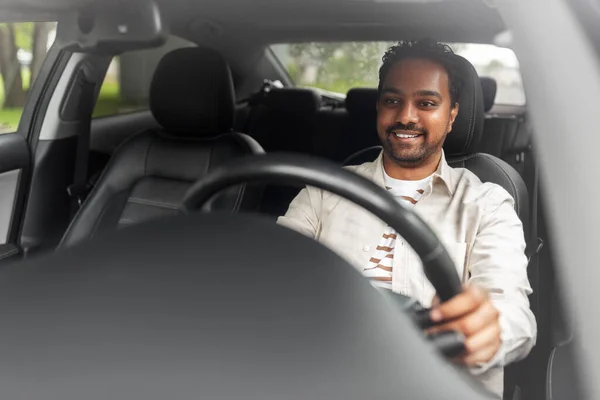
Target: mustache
{"x":408,"y":127}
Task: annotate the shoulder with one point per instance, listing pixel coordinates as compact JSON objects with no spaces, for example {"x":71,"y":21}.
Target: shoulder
{"x":367,"y":169}
{"x":487,"y":194}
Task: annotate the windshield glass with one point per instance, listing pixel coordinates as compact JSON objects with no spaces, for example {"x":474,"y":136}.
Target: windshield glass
{"x":340,"y":66}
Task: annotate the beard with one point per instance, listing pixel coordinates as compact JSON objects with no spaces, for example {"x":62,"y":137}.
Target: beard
{"x":411,"y":154}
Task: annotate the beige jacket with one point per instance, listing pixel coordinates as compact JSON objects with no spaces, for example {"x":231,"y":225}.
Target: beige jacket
{"x":475,"y":221}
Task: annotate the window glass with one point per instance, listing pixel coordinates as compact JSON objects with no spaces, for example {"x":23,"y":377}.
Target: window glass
{"x":23,"y":48}
{"x":338,"y":67}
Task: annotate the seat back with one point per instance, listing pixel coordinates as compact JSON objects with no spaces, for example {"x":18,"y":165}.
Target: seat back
{"x":284,"y":120}
{"x":192,"y":98}
{"x":360,"y":128}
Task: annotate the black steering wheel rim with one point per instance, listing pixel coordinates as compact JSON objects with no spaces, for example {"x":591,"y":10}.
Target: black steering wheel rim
{"x":299,"y":170}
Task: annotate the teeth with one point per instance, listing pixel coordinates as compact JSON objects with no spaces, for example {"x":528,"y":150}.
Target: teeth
{"x":403,"y":136}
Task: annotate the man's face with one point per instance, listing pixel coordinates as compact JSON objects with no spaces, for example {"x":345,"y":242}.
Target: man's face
{"x":414,"y":111}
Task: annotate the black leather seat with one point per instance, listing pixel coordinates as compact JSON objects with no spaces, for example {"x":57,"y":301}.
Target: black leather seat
{"x":464,"y":140}
{"x":508,"y":137}
{"x":489,"y":87}
{"x":360,"y":128}
{"x":192,"y":98}
{"x":285,"y":120}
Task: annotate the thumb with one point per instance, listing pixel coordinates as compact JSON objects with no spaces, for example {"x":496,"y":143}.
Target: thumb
{"x":435,"y":301}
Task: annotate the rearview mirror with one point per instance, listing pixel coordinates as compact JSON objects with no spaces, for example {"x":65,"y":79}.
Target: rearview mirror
{"x":113,"y":27}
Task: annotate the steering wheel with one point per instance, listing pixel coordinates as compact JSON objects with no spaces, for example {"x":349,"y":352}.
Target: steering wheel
{"x":303,"y":170}
{"x":223,"y":305}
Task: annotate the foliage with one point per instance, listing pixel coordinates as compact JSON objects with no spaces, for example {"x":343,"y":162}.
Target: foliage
{"x":335,"y":66}
{"x":23,"y":34}
{"x":339,"y":67}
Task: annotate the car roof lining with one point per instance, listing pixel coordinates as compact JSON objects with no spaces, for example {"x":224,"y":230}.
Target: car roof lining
{"x":270,"y":21}
{"x":266,"y":22}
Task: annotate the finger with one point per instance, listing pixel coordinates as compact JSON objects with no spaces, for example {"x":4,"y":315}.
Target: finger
{"x":481,"y":356}
{"x":472,"y":323}
{"x":462,"y":304}
{"x":486,"y":337}
{"x":436,"y":301}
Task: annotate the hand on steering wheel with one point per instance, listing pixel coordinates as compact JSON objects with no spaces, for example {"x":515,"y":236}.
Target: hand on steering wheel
{"x":299,"y":170}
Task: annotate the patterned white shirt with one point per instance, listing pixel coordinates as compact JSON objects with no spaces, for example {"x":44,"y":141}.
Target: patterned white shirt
{"x":379,"y":269}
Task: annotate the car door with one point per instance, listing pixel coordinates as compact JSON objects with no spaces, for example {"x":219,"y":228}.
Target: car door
{"x":41,"y":121}
{"x":28,"y":60}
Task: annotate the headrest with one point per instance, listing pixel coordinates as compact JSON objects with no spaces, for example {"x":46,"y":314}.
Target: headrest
{"x":192,"y":93}
{"x":293,"y":101}
{"x":489,"y":87}
{"x":361,"y":101}
{"x":468,"y":126}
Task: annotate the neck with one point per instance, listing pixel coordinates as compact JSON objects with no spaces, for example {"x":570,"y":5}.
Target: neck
{"x":411,"y":173}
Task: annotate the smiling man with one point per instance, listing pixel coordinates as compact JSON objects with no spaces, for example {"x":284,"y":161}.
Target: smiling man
{"x":419,"y":100}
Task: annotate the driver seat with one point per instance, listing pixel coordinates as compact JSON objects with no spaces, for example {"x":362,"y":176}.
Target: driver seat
{"x":460,"y":151}
{"x":192,"y":98}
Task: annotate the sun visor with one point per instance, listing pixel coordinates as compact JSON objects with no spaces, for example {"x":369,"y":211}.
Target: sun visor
{"x":113,"y":27}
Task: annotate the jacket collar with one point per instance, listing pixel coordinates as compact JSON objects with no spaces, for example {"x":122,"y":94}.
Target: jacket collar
{"x":444,"y":174}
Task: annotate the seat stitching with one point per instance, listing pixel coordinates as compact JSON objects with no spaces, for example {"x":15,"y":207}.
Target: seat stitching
{"x":9,"y":253}
{"x":146,"y":202}
{"x":471,"y":121}
{"x":96,"y":188}
{"x":102,"y":212}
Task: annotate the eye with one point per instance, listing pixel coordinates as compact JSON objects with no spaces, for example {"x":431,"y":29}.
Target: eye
{"x":391,"y":101}
{"x":427,"y":104}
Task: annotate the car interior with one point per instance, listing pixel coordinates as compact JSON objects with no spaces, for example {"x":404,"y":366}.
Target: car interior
{"x":220,"y":100}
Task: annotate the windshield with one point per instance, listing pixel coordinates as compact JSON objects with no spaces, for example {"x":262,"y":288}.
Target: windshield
{"x":340,"y":66}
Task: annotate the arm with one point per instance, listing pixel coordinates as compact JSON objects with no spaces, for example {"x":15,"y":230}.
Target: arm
{"x":498,"y":264}
{"x":304,"y":213}
{"x":493,"y":312}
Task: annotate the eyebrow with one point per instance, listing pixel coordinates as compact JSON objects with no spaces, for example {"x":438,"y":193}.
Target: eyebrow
{"x":432,"y":93}
{"x":429,"y":93}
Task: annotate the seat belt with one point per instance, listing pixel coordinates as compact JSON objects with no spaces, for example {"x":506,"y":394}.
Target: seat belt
{"x":79,"y":189}
{"x":535,"y":243}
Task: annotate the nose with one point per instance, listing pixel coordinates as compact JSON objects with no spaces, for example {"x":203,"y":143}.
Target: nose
{"x":407,"y":114}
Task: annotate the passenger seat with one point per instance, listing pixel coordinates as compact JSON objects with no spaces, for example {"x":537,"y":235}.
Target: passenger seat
{"x":285,"y":120}
{"x":507,"y":137}
{"x":360,"y":130}
{"x":192,"y":98}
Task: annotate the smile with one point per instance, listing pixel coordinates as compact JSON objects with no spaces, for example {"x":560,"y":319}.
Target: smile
{"x":406,"y":135}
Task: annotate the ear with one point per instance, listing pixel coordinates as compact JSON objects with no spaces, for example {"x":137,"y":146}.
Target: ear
{"x":453,"y":114}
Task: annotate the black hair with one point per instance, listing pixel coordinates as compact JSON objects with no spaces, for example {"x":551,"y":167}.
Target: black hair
{"x":424,"y":49}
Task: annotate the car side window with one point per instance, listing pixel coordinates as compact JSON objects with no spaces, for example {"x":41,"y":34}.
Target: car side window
{"x":126,"y":85}
{"x":23,"y":48}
